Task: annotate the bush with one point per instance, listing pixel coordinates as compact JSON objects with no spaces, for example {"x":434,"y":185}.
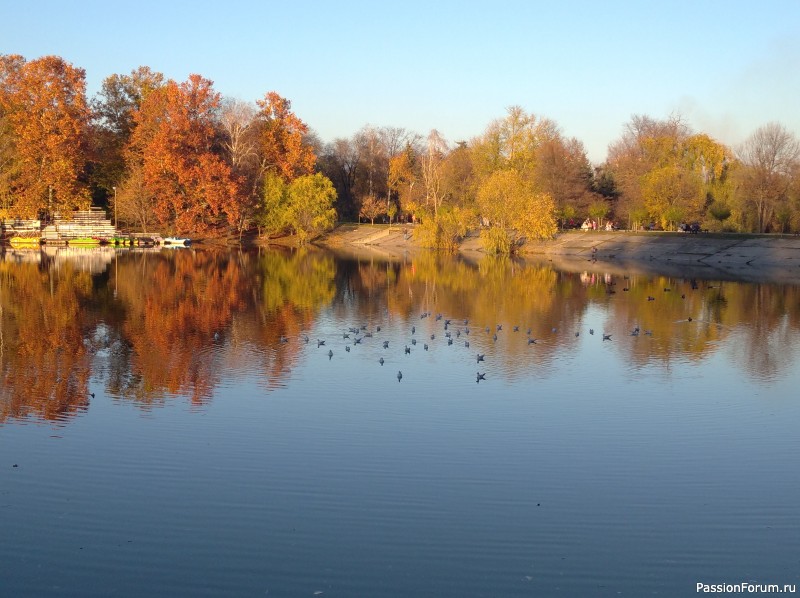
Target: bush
{"x":496,"y":240}
{"x":444,"y":230}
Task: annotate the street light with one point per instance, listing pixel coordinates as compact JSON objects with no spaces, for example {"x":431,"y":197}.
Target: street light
{"x":115,"y":207}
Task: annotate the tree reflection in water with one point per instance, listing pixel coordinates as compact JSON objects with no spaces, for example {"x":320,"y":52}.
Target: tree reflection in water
{"x":156,"y":325}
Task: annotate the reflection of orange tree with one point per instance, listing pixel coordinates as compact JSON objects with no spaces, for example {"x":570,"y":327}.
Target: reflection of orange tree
{"x":176,"y":305}
{"x":43,"y":360}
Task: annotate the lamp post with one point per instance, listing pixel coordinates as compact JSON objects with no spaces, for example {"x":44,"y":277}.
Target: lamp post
{"x":115,"y":207}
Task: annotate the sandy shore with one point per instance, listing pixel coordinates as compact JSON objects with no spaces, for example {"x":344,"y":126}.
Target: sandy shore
{"x":757,"y":258}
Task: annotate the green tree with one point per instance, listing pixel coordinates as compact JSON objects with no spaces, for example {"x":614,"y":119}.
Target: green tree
{"x":566,"y":213}
{"x":309,"y":205}
{"x":597,"y":211}
{"x":720,"y":212}
{"x":271,"y":217}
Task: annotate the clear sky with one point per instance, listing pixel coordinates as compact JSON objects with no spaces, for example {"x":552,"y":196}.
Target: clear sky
{"x":726,"y":67}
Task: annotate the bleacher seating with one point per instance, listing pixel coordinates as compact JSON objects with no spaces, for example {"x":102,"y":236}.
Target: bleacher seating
{"x":81,"y":224}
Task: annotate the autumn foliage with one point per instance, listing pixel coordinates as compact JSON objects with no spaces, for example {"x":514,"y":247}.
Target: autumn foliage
{"x":174,"y":137}
{"x":44,"y":118}
{"x":157,"y":326}
{"x":176,"y":157}
{"x":283,"y":148}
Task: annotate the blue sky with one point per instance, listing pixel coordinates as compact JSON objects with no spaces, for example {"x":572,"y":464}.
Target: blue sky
{"x":726,"y":67}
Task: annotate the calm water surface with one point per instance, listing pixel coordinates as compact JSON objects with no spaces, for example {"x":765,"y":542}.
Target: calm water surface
{"x":165,"y":428}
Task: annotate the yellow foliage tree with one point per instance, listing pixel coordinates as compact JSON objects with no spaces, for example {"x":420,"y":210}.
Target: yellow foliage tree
{"x":510,"y":203}
{"x":672,"y":195}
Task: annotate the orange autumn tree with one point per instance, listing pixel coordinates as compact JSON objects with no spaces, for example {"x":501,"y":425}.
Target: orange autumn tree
{"x":45,"y":315}
{"x":191,"y":187}
{"x":282,"y":140}
{"x":114,"y":109}
{"x":44,"y":114}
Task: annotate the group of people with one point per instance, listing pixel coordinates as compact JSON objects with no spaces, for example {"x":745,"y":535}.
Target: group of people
{"x":590,"y":224}
{"x":694,"y":227}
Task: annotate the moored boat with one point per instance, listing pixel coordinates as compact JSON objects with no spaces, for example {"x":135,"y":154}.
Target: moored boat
{"x":83,"y":242}
{"x":176,"y":241}
{"x":19,"y":241}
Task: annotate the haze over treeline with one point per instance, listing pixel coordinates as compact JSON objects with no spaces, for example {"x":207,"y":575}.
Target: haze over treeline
{"x":178,"y":156}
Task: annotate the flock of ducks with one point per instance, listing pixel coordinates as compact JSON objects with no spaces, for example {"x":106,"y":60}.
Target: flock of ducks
{"x":460,"y":333}
{"x":451,"y":332}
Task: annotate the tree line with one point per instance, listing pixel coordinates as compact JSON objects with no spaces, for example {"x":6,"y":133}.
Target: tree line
{"x":180,"y":157}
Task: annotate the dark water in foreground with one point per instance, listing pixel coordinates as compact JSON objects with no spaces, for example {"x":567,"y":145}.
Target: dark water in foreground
{"x":166,"y":430}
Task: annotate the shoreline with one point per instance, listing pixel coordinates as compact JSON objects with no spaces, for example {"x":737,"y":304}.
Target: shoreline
{"x":712,"y":256}
{"x":726,"y":256}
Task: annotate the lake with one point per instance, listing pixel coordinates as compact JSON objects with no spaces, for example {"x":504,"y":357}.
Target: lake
{"x":172,"y":424}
